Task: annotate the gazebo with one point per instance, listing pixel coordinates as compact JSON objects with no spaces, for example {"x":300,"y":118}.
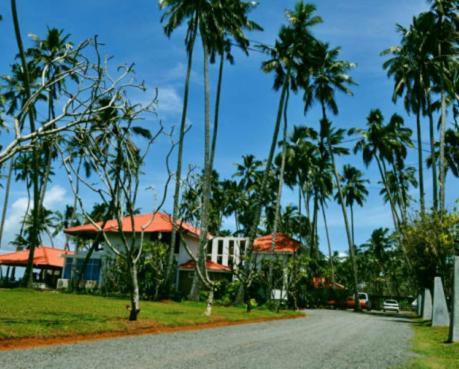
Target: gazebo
{"x":45,"y":258}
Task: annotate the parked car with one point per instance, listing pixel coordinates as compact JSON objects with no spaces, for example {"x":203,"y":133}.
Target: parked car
{"x":391,"y":305}
{"x":363,"y":299}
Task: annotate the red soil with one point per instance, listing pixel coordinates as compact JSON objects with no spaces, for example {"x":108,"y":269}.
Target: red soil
{"x":132,"y":329}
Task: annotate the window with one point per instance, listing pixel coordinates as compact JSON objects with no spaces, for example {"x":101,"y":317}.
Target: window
{"x":242,"y":248}
{"x":68,"y":268}
{"x":220,"y":252}
{"x":92,"y":271}
{"x":231,"y":248}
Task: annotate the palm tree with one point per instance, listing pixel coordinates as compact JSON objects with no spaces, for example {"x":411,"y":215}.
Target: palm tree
{"x":215,"y":21}
{"x":408,"y":75}
{"x":329,"y":75}
{"x":445,"y":53}
{"x":290,"y":59}
{"x":386,"y":144}
{"x":451,"y":151}
{"x":35,"y":233}
{"x":399,"y":183}
{"x":176,"y":12}
{"x":354,"y":190}
{"x":234,"y":33}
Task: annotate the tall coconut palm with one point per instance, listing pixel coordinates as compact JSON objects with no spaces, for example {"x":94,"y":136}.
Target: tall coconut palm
{"x":444,"y":27}
{"x":215,"y":21}
{"x":354,"y":191}
{"x":331,"y":74}
{"x":406,"y":69}
{"x":175,"y":13}
{"x":234,"y":34}
{"x":35,"y":233}
{"x":290,"y":60}
{"x":386,"y":144}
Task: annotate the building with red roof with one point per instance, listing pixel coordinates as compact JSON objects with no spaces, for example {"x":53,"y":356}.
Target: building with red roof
{"x":49,"y":260}
{"x":224,"y":253}
{"x":147,"y":223}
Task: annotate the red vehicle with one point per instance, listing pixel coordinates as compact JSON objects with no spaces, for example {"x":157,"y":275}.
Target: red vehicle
{"x":363,"y":299}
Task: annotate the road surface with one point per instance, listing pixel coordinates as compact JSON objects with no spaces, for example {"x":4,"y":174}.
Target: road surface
{"x":324,"y":339}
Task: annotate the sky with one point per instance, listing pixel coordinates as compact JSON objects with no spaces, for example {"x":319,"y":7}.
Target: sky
{"x":131,"y":32}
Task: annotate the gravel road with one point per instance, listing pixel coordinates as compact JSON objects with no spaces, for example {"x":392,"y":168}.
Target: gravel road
{"x":324,"y":339}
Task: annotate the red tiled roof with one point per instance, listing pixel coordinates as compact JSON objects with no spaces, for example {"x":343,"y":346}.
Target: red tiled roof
{"x":322,"y":282}
{"x":43,"y":256}
{"x":210,"y":265}
{"x":283,"y":243}
{"x":150,"y":223}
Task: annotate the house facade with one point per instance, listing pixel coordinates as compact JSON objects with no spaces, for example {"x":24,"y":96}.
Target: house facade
{"x":223,"y":252}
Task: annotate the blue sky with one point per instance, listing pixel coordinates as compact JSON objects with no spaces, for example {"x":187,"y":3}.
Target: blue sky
{"x":131,"y":32}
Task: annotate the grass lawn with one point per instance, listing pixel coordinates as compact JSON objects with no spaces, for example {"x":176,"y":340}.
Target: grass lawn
{"x":28,"y":313}
{"x":431,"y":350}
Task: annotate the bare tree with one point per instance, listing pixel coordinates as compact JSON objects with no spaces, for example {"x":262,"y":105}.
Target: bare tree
{"x":116,"y":161}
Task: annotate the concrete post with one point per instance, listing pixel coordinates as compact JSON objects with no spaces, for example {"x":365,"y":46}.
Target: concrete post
{"x":440,"y":316}
{"x":419,"y":305}
{"x":454,"y":324}
{"x":427,"y":305}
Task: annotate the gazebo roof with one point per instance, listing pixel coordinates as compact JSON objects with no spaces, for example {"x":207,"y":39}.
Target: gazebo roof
{"x":283,"y":244}
{"x":43,"y":257}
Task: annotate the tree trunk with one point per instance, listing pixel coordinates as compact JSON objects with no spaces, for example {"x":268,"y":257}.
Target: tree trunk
{"x":352,"y":224}
{"x":34,"y":234}
{"x":178,"y":172}
{"x":279,"y":197}
{"x":314,"y":240}
{"x":330,"y":254}
{"x":383,"y":174}
{"x":420,"y":162}
{"x":206,"y":188}
{"x":6,"y":199}
{"x":343,"y":209}
{"x":442,"y":151}
{"x":433,"y":156}
{"x":210,"y":302}
{"x":442,"y":125}
{"x":217,"y":110}
{"x":135,"y":296}
{"x":254,"y":226}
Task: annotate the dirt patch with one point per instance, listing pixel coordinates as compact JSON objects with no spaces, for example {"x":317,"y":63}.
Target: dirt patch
{"x":137,"y":328}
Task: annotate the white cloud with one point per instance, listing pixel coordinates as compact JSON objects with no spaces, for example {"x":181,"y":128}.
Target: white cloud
{"x":54,"y":198}
{"x":169,"y":102}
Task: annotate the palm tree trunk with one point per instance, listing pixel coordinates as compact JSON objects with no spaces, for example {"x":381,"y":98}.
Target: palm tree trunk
{"x":206,"y":186}
{"x":6,"y":199}
{"x":420,"y":162}
{"x":343,"y":209}
{"x":259,"y":200}
{"x":433,"y":155}
{"x":279,"y":196}
{"x":34,"y":234}
{"x":178,"y":172}
{"x":314,"y":244}
{"x":442,"y":150}
{"x":383,"y":174}
{"x":330,"y":254}
{"x":442,"y":125}
{"x":352,"y":224}
{"x":217,"y":110}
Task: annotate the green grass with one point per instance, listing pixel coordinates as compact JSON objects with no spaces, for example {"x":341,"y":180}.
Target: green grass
{"x":431,"y":350}
{"x":28,"y":313}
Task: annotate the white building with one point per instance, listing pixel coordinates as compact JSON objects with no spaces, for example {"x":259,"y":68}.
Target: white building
{"x":223,"y":252}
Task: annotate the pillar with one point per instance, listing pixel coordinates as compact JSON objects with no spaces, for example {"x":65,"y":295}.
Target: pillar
{"x":440,"y":316}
